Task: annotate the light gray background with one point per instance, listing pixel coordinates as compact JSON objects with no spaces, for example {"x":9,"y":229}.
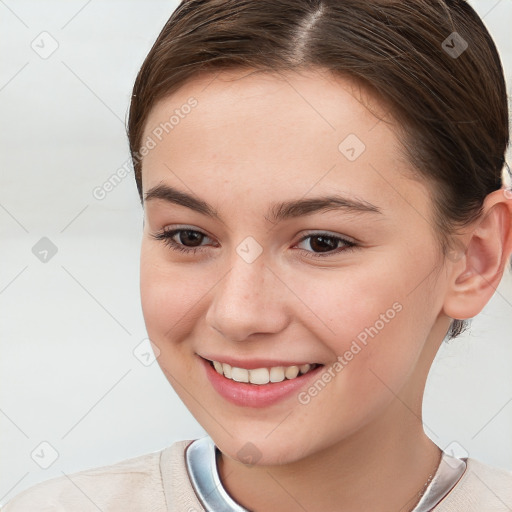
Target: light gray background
{"x":68,"y":327}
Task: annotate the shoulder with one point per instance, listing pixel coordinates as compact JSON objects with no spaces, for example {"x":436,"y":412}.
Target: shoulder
{"x":481,"y":487}
{"x":130,"y":485}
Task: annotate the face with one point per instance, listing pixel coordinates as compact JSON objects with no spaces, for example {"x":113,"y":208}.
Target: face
{"x":283,"y":228}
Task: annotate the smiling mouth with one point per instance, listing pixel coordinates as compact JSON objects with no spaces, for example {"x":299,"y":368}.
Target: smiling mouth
{"x":262,"y":376}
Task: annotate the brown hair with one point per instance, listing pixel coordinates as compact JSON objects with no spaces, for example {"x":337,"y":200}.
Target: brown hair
{"x":433,"y":60}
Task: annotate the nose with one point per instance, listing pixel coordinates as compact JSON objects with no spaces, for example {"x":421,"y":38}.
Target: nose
{"x":248,"y":300}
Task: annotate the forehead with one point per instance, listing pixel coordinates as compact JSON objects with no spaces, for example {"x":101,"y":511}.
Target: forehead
{"x":275,"y":134}
{"x":322,"y":100}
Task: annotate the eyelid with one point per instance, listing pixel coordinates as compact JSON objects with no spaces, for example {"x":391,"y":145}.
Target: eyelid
{"x":348,"y":245}
{"x":174,"y":230}
{"x":319,"y":232}
{"x":185,"y":227}
{"x":167,"y":235}
{"x":307,"y":232}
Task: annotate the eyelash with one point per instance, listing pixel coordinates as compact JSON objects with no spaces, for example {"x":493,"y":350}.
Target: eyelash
{"x":167,"y":235}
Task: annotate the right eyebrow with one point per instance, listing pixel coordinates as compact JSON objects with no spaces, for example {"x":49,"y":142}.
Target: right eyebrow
{"x":175,"y":196}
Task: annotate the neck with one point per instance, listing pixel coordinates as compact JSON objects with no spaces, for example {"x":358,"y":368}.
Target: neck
{"x":381,"y":468}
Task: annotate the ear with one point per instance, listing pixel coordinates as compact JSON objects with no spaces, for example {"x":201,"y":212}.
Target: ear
{"x":476,"y":275}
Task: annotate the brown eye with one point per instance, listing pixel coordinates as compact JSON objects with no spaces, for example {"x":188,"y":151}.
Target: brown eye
{"x":324,"y":244}
{"x":184,"y":240}
{"x":190,"y":238}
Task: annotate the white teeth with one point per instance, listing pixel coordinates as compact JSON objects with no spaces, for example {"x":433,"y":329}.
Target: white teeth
{"x":239,"y":374}
{"x":261,"y":375}
{"x":291,"y":372}
{"x":304,"y":368}
{"x":227,"y":370}
{"x":276,"y":374}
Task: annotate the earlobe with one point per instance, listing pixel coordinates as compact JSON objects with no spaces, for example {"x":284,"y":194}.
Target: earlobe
{"x":477,"y":274}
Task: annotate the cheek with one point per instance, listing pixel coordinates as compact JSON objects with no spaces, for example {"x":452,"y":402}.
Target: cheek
{"x":345,"y":303}
{"x":170,"y":301}
{"x":169,"y":296}
{"x":368,"y":325}
{"x":370,"y":318}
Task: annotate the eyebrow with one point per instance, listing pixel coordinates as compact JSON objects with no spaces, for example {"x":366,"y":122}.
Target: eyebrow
{"x":277,"y":211}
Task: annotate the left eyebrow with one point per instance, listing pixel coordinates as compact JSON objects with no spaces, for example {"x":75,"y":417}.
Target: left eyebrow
{"x":277,"y":211}
{"x":297,"y":208}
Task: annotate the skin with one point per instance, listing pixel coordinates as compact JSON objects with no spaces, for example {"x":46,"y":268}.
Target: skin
{"x":257,"y":139}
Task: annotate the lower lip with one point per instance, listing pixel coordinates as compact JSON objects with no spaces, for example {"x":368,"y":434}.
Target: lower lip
{"x":255,"y":395}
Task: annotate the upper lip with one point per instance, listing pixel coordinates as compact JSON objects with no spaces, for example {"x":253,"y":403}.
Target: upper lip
{"x":252,"y":364}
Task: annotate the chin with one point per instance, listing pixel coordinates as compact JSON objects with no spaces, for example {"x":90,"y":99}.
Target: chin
{"x":261,"y":449}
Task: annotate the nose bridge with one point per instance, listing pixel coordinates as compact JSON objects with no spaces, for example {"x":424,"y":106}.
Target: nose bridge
{"x":244,"y":301}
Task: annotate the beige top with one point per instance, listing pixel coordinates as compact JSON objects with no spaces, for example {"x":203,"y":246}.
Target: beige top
{"x":158,"y":482}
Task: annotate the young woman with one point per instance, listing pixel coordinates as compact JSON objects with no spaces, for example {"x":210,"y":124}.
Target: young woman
{"x":325,"y":201}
